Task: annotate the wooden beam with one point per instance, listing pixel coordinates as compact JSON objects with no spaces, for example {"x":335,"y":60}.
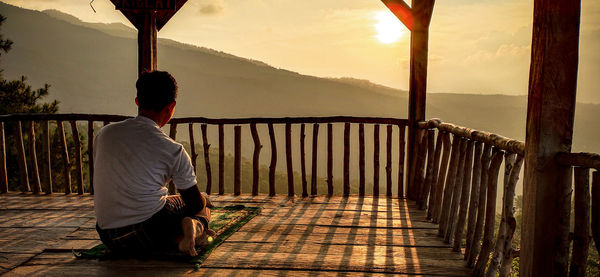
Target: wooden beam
{"x":147,"y":42}
{"x":421,"y":12}
{"x":550,"y":114}
{"x":402,"y":11}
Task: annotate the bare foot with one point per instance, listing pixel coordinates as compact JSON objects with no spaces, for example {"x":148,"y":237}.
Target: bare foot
{"x":187,"y":244}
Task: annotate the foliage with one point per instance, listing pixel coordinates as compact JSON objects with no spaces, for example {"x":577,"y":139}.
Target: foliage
{"x":17,"y":96}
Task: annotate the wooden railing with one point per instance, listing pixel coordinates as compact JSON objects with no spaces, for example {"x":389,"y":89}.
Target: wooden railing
{"x":457,"y":183}
{"x":41,"y":180}
{"x":582,"y":163}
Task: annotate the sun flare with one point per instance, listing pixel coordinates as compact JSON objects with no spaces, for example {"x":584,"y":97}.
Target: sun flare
{"x":389,"y":28}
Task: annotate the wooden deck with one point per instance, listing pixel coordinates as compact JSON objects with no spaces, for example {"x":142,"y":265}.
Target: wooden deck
{"x":301,"y":236}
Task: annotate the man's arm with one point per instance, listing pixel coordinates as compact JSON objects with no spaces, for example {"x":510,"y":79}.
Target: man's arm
{"x":194,"y":201}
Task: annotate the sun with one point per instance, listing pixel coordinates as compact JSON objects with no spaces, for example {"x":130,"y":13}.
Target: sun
{"x":389,"y":28}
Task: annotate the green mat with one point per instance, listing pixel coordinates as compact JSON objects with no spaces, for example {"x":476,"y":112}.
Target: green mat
{"x":225,"y":221}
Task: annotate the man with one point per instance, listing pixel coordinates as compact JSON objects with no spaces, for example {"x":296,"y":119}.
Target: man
{"x":134,"y":161}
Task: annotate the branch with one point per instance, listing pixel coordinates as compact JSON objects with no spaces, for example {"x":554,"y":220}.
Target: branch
{"x":402,"y":11}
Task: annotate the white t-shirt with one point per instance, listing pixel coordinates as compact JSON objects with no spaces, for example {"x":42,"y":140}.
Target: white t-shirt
{"x":133,"y":162}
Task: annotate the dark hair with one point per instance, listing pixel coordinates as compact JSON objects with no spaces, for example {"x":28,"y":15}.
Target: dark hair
{"x":156,"y":90}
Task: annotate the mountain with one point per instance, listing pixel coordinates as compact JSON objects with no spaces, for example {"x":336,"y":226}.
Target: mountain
{"x":92,"y":68}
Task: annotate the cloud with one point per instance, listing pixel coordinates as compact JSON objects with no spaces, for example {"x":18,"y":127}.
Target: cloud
{"x":211,"y":7}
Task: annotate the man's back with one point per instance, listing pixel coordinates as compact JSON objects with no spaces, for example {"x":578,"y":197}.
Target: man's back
{"x":134,"y":160}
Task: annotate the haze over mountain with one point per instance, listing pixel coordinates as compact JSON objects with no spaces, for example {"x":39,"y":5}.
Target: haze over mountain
{"x":92,"y":68}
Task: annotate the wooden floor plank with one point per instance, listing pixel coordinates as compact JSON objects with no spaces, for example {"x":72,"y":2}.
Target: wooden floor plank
{"x":290,"y":237}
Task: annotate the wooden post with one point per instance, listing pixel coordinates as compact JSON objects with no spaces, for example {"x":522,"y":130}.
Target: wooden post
{"x":65,"y":156}
{"x":90,"y":154}
{"x":47,"y":159}
{"x":3,"y":174}
{"x":419,"y":169}
{"x":511,"y":222}
{"x":434,"y":176}
{"x":303,"y":161}
{"x":346,"y":159}
{"x":417,"y":19}
{"x":173,"y":130}
{"x":439,"y":191}
{"x":255,"y":158}
{"x":35,"y":173}
{"x":376,"y":160}
{"x":449,"y":185}
{"x":474,"y":202}
{"x":481,"y":204}
{"x":193,"y":154}
{"x":313,"y":176}
{"x":427,"y":186}
{"x":361,"y":159}
{"x":581,"y":238}
{"x":273,"y":165}
{"x":596,"y":209}
{"x":456,"y":193}
{"x":464,"y":199}
{"x":206,"y":150}
{"x":288,"y":159}
{"x":388,"y":162}
{"x":490,"y":214}
{"x":550,"y":115}
{"x":237,"y":167}
{"x":147,"y":42}
{"x":401,"y":151}
{"x":221,"y":160}
{"x":329,"y":159}
{"x":24,"y":175}
{"x":78,"y":164}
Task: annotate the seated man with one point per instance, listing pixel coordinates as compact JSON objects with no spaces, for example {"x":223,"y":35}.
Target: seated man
{"x":134,"y":161}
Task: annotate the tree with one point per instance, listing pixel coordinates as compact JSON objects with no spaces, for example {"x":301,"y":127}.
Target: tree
{"x":17,"y":96}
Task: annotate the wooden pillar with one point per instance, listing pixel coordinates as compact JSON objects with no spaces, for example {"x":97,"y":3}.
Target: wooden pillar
{"x":550,"y":112}
{"x":147,"y":42}
{"x":416,"y":18}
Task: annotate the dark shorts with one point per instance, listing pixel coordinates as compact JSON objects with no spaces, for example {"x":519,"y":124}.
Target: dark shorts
{"x":158,"y":233}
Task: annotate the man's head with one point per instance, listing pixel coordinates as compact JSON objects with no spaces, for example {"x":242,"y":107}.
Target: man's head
{"x":156,"y":95}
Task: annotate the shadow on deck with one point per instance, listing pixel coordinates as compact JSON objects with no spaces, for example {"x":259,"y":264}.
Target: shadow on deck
{"x":301,"y":236}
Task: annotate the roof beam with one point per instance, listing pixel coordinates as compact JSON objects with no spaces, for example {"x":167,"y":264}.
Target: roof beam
{"x":402,"y":11}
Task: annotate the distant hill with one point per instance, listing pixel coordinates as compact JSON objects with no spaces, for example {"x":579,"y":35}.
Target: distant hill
{"x":92,"y":68}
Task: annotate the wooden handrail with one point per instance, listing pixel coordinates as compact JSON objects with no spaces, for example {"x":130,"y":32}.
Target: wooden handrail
{"x":506,"y":144}
{"x":587,"y":160}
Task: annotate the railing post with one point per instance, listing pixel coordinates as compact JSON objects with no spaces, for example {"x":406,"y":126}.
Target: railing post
{"x":361,"y":159}
{"x":313,"y":176}
{"x":255,"y":158}
{"x":221,"y":160}
{"x":3,"y":175}
{"x":24,"y":175}
{"x":401,"y":159}
{"x":65,"y":156}
{"x":35,"y":173}
{"x":206,"y":150}
{"x":273,"y":165}
{"x":237,"y":167}
{"x":288,"y":159}
{"x":376,"y":160}
{"x":329,"y":159}
{"x":47,"y":160}
{"x":303,"y":160}
{"x":90,"y":154}
{"x":79,"y":166}
{"x":346,"y":159}
{"x":388,"y":161}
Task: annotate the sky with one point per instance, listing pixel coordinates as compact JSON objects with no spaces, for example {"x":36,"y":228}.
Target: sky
{"x":476,"y":46}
